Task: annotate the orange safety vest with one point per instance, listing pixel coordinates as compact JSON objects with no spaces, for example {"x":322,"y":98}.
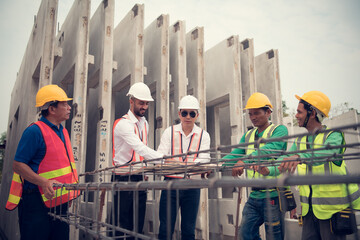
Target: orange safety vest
{"x":177,"y":148}
{"x":57,"y":164}
{"x":143,"y":137}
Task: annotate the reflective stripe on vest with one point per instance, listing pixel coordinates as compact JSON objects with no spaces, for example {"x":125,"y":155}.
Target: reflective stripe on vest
{"x":135,"y":157}
{"x":250,"y":138}
{"x":57,"y":164}
{"x":177,"y":148}
{"x":326,"y":199}
{"x":15,"y":192}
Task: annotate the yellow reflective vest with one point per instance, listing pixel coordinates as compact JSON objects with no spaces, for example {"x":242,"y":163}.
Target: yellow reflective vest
{"x":250,"y":138}
{"x":325,"y":199}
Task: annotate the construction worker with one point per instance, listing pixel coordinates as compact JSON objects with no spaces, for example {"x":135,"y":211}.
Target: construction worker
{"x":43,"y":157}
{"x":178,"y":139}
{"x":130,"y":135}
{"x":256,"y":210}
{"x":319,"y":202}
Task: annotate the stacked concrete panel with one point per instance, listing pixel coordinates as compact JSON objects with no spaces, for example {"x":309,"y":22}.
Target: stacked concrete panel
{"x":196,"y":86}
{"x":178,"y":83}
{"x":35,"y":71}
{"x":196,"y":71}
{"x":248,"y":81}
{"x":268,"y":81}
{"x":71,"y":73}
{"x":129,"y":55}
{"x":156,"y":61}
{"x":96,"y":64}
{"x":223,"y":88}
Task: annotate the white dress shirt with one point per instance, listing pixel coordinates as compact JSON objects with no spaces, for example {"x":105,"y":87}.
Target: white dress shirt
{"x":125,"y":140}
{"x":165,"y":142}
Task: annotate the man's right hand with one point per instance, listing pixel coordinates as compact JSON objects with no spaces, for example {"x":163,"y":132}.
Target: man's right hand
{"x":238,"y":169}
{"x":48,"y":189}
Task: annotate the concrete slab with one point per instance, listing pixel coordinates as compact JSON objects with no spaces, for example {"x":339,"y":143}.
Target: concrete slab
{"x":35,"y":71}
{"x":248,"y":80}
{"x":223,"y":81}
{"x":195,"y":70}
{"x":268,"y":81}
{"x":156,"y":61}
{"x":178,"y":83}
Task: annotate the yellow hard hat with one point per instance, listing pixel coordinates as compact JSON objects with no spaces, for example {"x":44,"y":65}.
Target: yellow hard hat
{"x":318,"y":100}
{"x":50,"y":93}
{"x":258,"y":100}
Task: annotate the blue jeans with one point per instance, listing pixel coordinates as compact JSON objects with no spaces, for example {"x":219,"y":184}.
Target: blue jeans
{"x":256,"y":213}
{"x":189,"y":203}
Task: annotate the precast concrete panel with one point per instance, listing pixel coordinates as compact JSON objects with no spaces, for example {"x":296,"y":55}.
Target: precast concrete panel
{"x":129,"y":55}
{"x":195,"y":70}
{"x":248,"y":81}
{"x":129,"y":48}
{"x":351,"y":135}
{"x":223,"y":79}
{"x":156,"y":61}
{"x":268,"y":81}
{"x":178,"y":84}
{"x":196,"y":87}
{"x":100,"y":76}
{"x":35,"y":71}
{"x":71,"y":73}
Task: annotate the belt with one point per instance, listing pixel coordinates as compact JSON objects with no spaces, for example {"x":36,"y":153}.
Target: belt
{"x":263,"y":189}
{"x":132,"y":178}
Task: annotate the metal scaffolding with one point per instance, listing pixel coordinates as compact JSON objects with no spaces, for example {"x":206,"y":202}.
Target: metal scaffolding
{"x":87,"y":211}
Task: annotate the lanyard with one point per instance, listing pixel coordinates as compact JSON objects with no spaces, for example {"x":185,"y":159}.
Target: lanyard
{"x":181,"y":143}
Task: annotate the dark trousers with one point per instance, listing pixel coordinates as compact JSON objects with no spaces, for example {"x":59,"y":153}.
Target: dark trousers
{"x":189,"y":204}
{"x":126,"y":206}
{"x":35,"y":222}
{"x":316,"y":229}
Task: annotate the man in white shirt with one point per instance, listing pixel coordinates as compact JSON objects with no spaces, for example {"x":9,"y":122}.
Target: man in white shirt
{"x":130,"y":146}
{"x":178,"y":139}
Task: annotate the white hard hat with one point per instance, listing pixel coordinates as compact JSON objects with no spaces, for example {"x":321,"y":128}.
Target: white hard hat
{"x":140,"y":91}
{"x":189,"y":102}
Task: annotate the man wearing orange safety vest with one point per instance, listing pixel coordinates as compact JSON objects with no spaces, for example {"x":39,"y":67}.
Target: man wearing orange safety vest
{"x":179,"y":139}
{"x":44,"y":157}
{"x":319,"y":202}
{"x":130,"y":135}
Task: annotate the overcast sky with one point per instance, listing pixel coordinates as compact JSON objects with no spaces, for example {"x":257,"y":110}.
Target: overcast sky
{"x":318,"y":41}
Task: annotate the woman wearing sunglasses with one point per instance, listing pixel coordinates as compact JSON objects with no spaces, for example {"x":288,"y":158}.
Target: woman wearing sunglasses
{"x":179,"y":139}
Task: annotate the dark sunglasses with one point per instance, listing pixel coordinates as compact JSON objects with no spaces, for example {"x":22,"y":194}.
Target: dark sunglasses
{"x":185,"y":113}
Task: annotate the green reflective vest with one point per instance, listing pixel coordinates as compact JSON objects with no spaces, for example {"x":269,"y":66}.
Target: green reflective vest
{"x":326,"y":199}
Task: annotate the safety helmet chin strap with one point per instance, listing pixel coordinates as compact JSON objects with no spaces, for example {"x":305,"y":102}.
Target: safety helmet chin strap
{"x":309,"y":110}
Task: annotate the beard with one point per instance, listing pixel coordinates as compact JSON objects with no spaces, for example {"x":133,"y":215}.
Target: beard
{"x":138,"y":112}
